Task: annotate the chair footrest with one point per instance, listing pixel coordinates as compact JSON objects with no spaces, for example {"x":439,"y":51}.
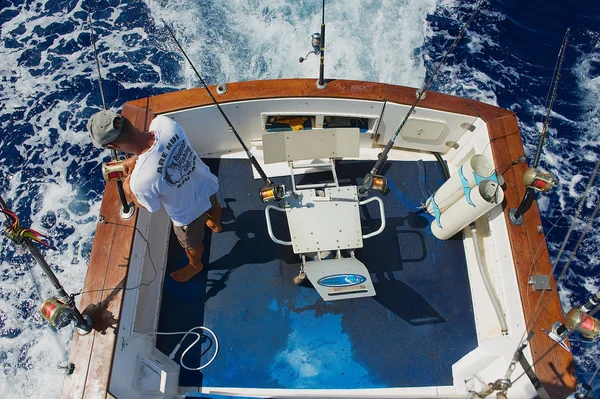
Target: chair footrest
{"x":340,"y":278}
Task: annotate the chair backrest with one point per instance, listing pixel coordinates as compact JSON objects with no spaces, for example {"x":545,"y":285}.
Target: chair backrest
{"x":310,"y":144}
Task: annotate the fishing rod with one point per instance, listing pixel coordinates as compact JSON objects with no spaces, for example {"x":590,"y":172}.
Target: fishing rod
{"x":321,"y":84}
{"x":373,"y":179}
{"x":535,"y":179}
{"x":271,"y":191}
{"x":127,"y":208}
{"x":57,"y":312}
{"x":317,"y":41}
{"x":97,"y":61}
{"x":577,"y":320}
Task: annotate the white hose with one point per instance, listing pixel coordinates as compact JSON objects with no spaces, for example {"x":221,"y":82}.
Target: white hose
{"x":198,"y":336}
{"x":487,"y":282}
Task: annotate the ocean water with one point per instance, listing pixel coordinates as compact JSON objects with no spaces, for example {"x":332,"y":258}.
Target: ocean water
{"x":49,"y":171}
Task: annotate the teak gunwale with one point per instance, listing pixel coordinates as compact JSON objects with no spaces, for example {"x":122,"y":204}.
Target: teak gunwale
{"x":92,"y":354}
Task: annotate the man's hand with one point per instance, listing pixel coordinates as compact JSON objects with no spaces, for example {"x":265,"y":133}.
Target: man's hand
{"x":129,"y":164}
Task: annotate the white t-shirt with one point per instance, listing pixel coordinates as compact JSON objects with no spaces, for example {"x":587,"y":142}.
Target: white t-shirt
{"x":173,"y":174}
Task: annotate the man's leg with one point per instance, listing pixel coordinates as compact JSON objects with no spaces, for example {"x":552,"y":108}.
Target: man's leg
{"x":213,"y":215}
{"x":193,"y":267}
{"x":190,"y":237}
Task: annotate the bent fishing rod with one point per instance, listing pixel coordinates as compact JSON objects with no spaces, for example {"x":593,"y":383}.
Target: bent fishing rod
{"x":54,"y":310}
{"x":128,"y":208}
{"x":379,"y":182}
{"x":271,"y":191}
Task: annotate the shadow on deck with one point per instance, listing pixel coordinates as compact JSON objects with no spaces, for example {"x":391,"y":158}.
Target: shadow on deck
{"x":274,"y":334}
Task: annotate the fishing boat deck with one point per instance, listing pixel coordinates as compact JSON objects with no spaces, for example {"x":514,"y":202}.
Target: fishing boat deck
{"x":118,"y":253}
{"x":274,"y":334}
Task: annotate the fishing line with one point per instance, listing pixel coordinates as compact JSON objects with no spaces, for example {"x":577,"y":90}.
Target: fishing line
{"x":149,"y":256}
{"x":249,"y":154}
{"x":383,"y":156}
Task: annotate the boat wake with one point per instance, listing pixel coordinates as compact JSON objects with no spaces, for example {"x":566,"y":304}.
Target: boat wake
{"x":50,"y":171}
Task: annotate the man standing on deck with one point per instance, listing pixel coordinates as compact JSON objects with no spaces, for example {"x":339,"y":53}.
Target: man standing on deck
{"x":165,"y":170}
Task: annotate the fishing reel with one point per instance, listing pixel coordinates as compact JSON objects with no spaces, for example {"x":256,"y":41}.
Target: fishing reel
{"x":272,"y":192}
{"x":584,"y":391}
{"x":375,"y":182}
{"x":315,"y":41}
{"x":539,"y":180}
{"x":113,"y":171}
{"x":57,"y":313}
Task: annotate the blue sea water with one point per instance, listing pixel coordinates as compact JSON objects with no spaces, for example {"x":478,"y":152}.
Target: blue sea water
{"x":49,"y":171}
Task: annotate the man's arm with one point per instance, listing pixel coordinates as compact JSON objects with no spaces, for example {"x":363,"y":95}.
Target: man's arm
{"x":128,"y":193}
{"x":128,"y":165}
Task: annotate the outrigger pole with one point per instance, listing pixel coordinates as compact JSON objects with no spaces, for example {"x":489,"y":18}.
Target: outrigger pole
{"x":127,"y":210}
{"x":533,"y":178}
{"x":52,"y":310}
{"x":373,"y":179}
{"x":271,"y":191}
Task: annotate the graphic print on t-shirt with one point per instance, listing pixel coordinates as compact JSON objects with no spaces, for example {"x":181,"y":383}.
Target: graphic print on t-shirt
{"x":178,"y":161}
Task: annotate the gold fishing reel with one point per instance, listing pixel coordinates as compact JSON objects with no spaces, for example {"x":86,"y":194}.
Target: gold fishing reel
{"x":539,"y":180}
{"x":56,"y":312}
{"x":377,"y":183}
{"x":272,"y":192}
{"x":113,"y":171}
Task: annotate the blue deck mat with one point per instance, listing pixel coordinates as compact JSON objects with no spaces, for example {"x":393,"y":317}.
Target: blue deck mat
{"x":273,"y":334}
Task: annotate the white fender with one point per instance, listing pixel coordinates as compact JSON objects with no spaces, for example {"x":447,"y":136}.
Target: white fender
{"x":455,"y":218}
{"x":452,"y":190}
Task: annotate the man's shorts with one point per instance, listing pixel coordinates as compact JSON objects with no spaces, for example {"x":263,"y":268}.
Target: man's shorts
{"x":192,"y":235}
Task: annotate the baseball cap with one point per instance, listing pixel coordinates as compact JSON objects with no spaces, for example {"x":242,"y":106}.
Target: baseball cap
{"x":104,"y":127}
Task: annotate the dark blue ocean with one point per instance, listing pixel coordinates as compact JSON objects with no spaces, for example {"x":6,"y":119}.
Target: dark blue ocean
{"x":49,"y":171}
